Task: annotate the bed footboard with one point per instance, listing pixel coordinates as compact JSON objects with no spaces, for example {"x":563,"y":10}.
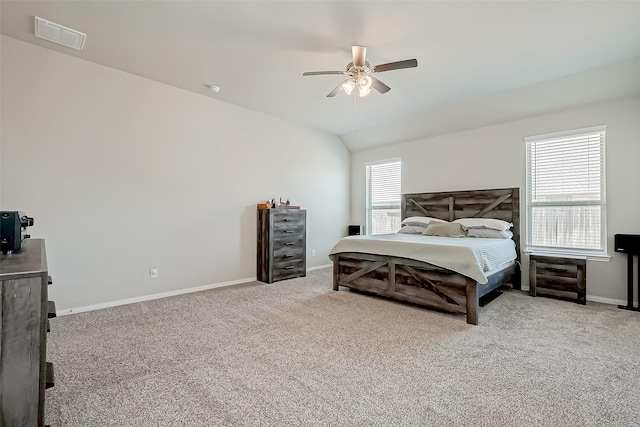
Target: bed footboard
{"x":410,"y":281}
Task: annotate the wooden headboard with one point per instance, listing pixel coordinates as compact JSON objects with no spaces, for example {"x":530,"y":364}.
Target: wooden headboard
{"x":501,"y":204}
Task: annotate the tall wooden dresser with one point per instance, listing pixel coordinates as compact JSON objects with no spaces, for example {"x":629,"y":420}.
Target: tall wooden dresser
{"x":24,"y":373}
{"x":282,"y":244}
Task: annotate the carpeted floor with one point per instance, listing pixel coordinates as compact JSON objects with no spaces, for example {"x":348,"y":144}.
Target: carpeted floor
{"x":297,"y":353}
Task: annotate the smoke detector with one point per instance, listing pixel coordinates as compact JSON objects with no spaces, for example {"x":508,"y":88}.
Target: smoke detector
{"x":57,"y":33}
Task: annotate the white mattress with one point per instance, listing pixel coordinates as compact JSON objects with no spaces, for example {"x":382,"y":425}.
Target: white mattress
{"x":472,"y":257}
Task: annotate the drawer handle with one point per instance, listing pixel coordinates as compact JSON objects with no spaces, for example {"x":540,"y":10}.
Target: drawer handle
{"x":289,"y":267}
{"x":289,"y":244}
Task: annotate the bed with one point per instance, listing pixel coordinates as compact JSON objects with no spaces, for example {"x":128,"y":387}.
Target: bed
{"x":452,"y":287}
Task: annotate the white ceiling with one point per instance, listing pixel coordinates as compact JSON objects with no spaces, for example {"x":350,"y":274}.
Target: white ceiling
{"x":479,"y":63}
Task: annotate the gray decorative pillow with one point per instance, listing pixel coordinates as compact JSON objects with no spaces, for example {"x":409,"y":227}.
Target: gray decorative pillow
{"x":420,"y":221}
{"x":412,"y":229}
{"x":446,"y":229}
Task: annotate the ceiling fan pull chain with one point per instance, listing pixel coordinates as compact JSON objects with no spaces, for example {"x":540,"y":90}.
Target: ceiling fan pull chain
{"x":355,"y":102}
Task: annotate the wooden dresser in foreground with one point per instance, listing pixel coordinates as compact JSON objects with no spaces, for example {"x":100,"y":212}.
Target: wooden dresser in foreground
{"x":25,"y":309}
{"x":562,"y":277}
{"x":282,"y":244}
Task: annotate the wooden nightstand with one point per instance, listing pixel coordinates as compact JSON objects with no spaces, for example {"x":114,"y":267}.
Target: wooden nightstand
{"x":558,"y":276}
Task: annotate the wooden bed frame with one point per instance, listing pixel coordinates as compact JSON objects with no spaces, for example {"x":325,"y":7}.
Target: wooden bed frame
{"x":426,"y":284}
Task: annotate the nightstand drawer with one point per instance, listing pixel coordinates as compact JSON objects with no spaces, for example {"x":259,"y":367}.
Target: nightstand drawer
{"x":558,"y":276}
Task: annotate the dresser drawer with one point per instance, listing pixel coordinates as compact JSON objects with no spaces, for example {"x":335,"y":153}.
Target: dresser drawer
{"x":288,"y":231}
{"x":289,"y":249}
{"x":288,"y":215}
{"x":290,"y":241}
{"x":288,"y":268}
{"x":287,"y":256}
{"x":288,"y":224}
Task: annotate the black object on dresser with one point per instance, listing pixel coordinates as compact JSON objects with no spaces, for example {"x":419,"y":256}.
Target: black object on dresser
{"x":564,"y":277}
{"x":12,"y":224}
{"x":24,"y":373}
{"x":630,"y":245}
{"x":282,"y":244}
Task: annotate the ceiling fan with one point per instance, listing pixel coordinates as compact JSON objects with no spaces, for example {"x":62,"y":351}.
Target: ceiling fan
{"x":360,"y":73}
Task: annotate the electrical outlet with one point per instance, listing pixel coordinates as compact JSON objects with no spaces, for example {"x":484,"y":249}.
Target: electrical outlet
{"x":153,"y":273}
{"x":313,"y":252}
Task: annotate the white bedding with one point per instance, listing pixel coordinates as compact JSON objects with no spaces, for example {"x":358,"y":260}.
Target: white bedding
{"x":471,"y":257}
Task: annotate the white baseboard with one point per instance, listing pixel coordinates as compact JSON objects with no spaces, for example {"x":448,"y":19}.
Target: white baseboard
{"x":164,"y":295}
{"x":151,"y":297}
{"x":320,"y":267}
{"x":596,"y":298}
{"x":607,"y":300}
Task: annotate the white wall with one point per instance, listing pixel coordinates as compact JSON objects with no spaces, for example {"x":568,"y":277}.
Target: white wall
{"x":494,"y":157}
{"x":122,"y":174}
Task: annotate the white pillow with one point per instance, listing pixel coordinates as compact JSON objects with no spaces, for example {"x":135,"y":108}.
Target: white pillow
{"x":496,"y":224}
{"x":411,"y":229}
{"x":489,"y":233}
{"x":420,"y":221}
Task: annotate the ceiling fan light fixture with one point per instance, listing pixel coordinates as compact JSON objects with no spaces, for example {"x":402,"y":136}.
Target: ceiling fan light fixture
{"x":348,"y":86}
{"x":365,"y":85}
{"x":366,"y":82}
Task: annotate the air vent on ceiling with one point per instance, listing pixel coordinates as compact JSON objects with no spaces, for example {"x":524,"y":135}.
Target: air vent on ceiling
{"x":58,"y":34}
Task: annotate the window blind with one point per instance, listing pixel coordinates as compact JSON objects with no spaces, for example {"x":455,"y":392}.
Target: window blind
{"x":383,"y":197}
{"x":565,"y":191}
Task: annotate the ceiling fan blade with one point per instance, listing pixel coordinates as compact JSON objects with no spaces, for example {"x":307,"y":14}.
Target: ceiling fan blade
{"x":337,"y":89}
{"x":407,"y":63}
{"x":358,"y":53}
{"x":379,"y":86}
{"x":319,"y":73}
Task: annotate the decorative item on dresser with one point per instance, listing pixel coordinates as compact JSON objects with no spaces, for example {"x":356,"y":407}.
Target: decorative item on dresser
{"x":558,"y":276}
{"x":24,"y":372}
{"x":282,"y":246}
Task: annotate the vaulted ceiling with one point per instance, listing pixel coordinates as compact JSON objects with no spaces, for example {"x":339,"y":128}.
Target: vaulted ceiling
{"x":479,"y":63}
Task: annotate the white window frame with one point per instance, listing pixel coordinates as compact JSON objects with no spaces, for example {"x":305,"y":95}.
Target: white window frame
{"x":594,"y":254}
{"x":368,"y":207}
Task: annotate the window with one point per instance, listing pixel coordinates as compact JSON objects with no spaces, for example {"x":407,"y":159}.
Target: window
{"x":565,"y":192}
{"x":383,"y":196}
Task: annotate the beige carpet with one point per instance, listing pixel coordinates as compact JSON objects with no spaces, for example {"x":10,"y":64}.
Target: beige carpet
{"x":298,"y":353}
